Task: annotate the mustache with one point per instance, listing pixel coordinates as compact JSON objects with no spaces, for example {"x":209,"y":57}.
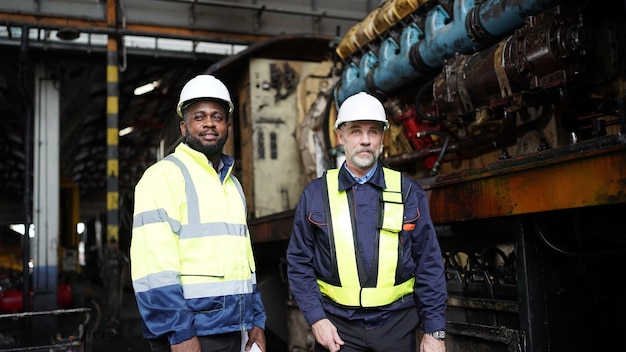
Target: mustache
{"x":364,"y":149}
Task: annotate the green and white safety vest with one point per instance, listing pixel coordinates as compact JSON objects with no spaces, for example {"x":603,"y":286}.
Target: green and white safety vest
{"x":350,"y":291}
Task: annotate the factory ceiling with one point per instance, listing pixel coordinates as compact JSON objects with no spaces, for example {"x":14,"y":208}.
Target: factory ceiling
{"x":164,"y":41}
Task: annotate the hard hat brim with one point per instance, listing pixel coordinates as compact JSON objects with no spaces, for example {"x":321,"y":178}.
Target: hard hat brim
{"x":385,"y":124}
{"x":228,"y":106}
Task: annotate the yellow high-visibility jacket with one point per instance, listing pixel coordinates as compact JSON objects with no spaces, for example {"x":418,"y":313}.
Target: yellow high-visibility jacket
{"x":192,"y":264}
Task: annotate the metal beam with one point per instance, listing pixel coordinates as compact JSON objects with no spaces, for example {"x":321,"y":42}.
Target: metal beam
{"x":265,"y":8}
{"x":203,"y":20}
{"x":578,"y":175}
{"x":101,"y":27}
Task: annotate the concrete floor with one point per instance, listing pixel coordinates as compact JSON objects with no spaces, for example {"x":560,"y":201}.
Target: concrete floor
{"x":59,"y":329}
{"x":127,"y":335}
{"x":136,"y":344}
{"x":101,"y":333}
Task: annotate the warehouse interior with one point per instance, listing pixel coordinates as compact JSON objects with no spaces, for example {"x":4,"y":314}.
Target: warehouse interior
{"x":164,"y":41}
{"x":511,"y":114}
{"x":71,"y":45}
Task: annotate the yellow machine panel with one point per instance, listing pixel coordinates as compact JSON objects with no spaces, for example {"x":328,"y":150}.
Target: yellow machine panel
{"x":274,"y":114}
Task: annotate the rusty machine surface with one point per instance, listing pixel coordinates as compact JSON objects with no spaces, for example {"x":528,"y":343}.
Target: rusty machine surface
{"x":509,"y":113}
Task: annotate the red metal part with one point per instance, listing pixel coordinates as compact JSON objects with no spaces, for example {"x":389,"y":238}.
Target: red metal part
{"x":12,"y":301}
{"x":411,"y":126}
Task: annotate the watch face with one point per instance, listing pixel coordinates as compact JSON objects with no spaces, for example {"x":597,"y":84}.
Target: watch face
{"x":440,"y":335}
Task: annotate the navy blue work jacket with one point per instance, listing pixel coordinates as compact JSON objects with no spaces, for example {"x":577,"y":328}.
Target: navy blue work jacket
{"x":308,"y":253}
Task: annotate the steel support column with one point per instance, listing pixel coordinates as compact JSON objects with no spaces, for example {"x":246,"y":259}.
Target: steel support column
{"x":531,"y":299}
{"x":46,"y":195}
{"x":112,"y":130}
{"x":113,"y":260}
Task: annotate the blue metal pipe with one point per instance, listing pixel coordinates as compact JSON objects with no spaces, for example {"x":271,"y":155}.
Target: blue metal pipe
{"x":499,"y":17}
{"x":395,"y":65}
{"x":391,"y":66}
{"x":355,"y":76}
{"x":446,"y":39}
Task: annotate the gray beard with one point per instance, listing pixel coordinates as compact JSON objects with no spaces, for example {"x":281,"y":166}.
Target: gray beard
{"x":362,"y":162}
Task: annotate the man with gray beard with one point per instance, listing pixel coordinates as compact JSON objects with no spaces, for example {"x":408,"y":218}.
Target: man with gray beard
{"x":364,"y":263}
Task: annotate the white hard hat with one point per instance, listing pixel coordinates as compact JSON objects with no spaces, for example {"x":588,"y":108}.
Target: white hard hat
{"x":361,"y":107}
{"x":203,"y":86}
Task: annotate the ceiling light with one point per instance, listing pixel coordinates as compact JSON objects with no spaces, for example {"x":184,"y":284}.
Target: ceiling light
{"x":125,"y":131}
{"x":68,"y":33}
{"x":147,"y":88}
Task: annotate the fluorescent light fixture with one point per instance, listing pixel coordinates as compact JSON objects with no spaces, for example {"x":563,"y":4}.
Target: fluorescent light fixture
{"x":125,"y":131}
{"x":19,"y":228}
{"x":147,"y":88}
{"x":68,"y":33}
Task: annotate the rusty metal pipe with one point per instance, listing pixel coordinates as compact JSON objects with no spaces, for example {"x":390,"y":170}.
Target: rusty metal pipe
{"x":491,"y":140}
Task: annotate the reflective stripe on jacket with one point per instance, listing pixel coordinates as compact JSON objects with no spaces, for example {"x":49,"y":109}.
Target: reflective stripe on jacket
{"x":192,"y":265}
{"x":382,"y":288}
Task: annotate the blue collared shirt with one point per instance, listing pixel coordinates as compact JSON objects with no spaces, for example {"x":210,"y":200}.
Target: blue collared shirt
{"x":368,"y":175}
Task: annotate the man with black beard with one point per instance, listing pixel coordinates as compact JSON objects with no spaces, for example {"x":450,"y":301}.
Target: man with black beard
{"x":192,"y":265}
{"x":364,"y":263}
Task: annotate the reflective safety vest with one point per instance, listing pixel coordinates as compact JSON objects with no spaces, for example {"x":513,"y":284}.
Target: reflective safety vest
{"x":227,"y":279}
{"x":213,"y":245}
{"x":350,"y":292}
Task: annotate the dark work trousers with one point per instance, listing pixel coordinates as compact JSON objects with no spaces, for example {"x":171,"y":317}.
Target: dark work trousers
{"x":230,"y":342}
{"x":397,"y":335}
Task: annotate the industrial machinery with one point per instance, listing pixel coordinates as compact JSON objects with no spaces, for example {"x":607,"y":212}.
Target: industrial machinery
{"x":509,"y":113}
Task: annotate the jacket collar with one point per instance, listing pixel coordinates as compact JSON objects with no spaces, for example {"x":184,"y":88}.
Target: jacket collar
{"x":346,"y":180}
{"x":201,"y":159}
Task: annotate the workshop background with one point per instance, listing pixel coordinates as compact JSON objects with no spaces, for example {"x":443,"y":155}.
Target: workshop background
{"x":510,"y":114}
{"x":75,"y":65}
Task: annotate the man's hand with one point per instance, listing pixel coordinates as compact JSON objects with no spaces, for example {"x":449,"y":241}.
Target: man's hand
{"x":191,"y":345}
{"x":256,"y":335}
{"x":431,"y":344}
{"x":326,"y":335}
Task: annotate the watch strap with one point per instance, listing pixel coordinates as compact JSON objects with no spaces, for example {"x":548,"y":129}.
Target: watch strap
{"x":439,"y":334}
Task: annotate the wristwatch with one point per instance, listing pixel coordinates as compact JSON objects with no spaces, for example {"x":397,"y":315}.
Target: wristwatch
{"x":439,"y":334}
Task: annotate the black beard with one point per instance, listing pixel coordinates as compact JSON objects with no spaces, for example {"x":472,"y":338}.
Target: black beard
{"x":209,"y":151}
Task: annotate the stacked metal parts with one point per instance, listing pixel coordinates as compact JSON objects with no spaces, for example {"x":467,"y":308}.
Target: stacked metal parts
{"x":404,"y":40}
{"x":509,"y":111}
{"x":462,"y":77}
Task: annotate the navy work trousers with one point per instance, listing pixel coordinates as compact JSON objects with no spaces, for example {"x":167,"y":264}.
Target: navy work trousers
{"x":397,"y":335}
{"x":230,"y":342}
